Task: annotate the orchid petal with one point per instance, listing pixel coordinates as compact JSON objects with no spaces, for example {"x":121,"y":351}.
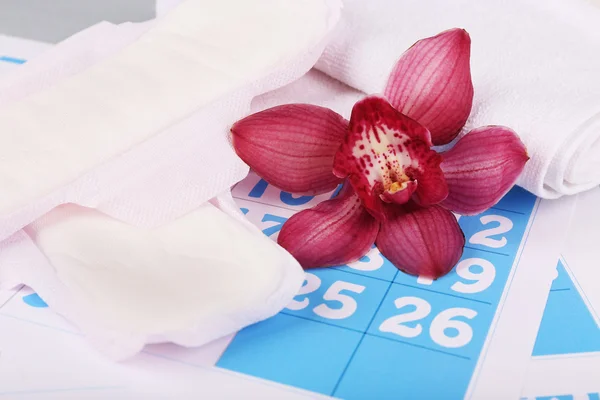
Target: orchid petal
{"x":383,"y":151}
{"x":427,"y":242}
{"x":432,"y":187}
{"x":481,"y":168}
{"x":431,"y":83}
{"x":292,"y":146}
{"x":335,"y":232}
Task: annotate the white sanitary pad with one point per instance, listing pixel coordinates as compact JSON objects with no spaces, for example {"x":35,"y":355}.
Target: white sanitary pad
{"x":113,"y":142}
{"x":71,"y":120}
{"x":190,"y":281}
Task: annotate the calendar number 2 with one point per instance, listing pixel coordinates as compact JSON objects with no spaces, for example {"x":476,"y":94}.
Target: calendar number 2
{"x":333,"y":294}
{"x":311,"y":283}
{"x":485,"y":237}
{"x":396,"y":325}
{"x":440,"y":323}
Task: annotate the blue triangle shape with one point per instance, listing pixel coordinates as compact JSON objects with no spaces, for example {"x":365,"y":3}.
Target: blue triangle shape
{"x":34,"y":300}
{"x":568,"y":326}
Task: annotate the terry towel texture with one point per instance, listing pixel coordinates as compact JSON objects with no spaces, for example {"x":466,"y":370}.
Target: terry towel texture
{"x":535,"y":68}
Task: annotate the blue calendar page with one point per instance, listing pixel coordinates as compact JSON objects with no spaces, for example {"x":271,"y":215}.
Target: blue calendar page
{"x":366,"y":330}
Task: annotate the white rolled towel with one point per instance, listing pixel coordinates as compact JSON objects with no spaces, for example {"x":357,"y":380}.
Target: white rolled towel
{"x":535,"y":68}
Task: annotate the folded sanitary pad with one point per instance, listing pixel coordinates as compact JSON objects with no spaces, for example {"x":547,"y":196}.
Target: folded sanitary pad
{"x":171,"y":92}
{"x":189,"y":281}
{"x":113,"y":143}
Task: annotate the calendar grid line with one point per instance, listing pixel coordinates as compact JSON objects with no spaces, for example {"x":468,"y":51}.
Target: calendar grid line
{"x":488,"y":251}
{"x":320,"y":322}
{"x":507,"y":210}
{"x":419,"y":346}
{"x":560,"y":290}
{"x":337,"y":384}
{"x":443,"y":293}
{"x":378,"y":307}
{"x":339,"y":268}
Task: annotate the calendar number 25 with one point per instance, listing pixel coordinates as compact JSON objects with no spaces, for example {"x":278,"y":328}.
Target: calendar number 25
{"x":337,"y":292}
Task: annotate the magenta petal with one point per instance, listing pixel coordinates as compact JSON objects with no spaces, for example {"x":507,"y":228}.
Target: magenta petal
{"x":292,"y":146}
{"x":481,"y":168}
{"x":431,"y":83}
{"x":335,"y":232}
{"x":431,"y":183}
{"x":427,"y":242}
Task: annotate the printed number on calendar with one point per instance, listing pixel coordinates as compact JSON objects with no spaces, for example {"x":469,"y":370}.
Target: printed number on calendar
{"x":287,"y":198}
{"x":333,"y":293}
{"x":277,"y":224}
{"x":372,"y":261}
{"x":466,"y":269}
{"x":462,"y":331}
{"x":480,"y":280}
{"x":485,"y":237}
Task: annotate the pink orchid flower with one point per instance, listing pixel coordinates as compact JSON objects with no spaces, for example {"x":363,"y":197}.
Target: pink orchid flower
{"x":397,"y":191}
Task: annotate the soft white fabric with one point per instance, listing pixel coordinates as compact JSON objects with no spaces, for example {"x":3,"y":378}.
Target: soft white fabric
{"x":313,"y":88}
{"x":581,"y":253}
{"x":114,"y":141}
{"x":535,"y":69}
{"x":191,"y":281}
{"x":180,"y":82}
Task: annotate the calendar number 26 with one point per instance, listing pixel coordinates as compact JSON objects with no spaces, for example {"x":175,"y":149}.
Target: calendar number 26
{"x":462,"y":333}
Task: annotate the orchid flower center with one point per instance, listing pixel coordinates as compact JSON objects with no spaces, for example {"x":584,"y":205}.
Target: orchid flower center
{"x":387,"y":158}
{"x":397,"y":186}
{"x":386,"y":163}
